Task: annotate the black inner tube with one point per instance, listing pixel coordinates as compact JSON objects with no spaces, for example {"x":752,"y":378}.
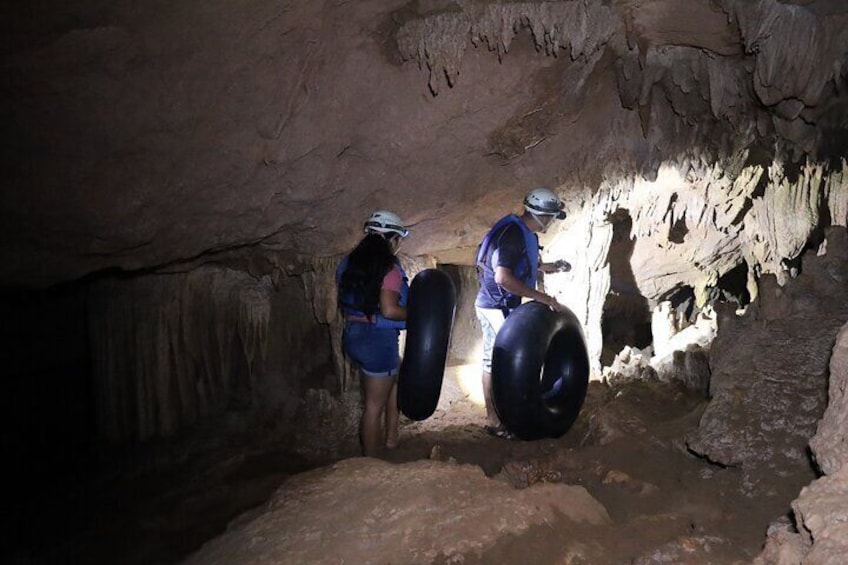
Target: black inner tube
{"x":540,"y":371}
{"x":429,"y":318}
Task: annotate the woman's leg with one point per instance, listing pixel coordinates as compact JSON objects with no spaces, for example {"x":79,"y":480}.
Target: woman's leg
{"x":377,"y":393}
{"x":392,"y":417}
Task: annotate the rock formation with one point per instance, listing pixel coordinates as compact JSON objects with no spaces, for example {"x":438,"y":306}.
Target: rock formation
{"x":380,"y":519}
{"x":135,"y":144}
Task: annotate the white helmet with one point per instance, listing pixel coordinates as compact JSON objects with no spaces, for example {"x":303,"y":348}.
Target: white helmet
{"x":543,"y":202}
{"x":384,"y":222}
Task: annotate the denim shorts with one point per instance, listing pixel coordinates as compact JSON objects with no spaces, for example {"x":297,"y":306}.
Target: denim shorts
{"x":491,"y":320}
{"x":374,"y":350}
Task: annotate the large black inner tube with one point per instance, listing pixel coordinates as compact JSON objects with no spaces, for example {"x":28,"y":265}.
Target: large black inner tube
{"x":429,"y":318}
{"x":540,"y":371}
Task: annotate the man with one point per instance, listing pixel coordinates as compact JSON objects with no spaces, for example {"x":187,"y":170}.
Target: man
{"x":508,"y":263}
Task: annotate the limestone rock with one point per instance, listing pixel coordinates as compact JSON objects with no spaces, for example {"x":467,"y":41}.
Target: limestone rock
{"x":368,"y":511}
{"x":784,"y":545}
{"x":691,"y":368}
{"x":764,"y":409}
{"x":134,"y":144}
{"x":689,"y":550}
{"x":829,"y":444}
{"x":822,"y":510}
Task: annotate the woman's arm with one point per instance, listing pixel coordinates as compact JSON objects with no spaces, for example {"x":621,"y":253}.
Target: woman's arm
{"x":390,"y":305}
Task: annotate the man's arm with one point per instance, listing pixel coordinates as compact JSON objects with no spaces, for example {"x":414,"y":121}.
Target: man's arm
{"x":506,"y":279}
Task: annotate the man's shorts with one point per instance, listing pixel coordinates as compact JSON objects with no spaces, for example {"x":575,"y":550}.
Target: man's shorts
{"x":374,"y":350}
{"x":491,"y":320}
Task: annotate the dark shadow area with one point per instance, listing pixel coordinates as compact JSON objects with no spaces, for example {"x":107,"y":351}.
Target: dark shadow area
{"x":626,"y":315}
{"x":732,"y":286}
{"x":74,"y":497}
{"x":47,"y":425}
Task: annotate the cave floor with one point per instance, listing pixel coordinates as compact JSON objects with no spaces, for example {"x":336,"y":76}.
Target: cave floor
{"x":627,"y":449}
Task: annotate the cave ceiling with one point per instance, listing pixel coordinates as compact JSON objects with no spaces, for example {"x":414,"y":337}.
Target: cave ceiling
{"x":140,"y":136}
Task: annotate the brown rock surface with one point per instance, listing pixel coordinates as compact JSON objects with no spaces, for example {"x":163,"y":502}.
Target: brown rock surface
{"x":765,"y":408}
{"x":418,"y":512}
{"x":142,"y":135}
{"x":829,"y":444}
{"x":822,"y":514}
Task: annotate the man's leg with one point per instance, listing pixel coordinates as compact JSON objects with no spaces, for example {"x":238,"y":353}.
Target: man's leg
{"x":491,"y":415}
{"x":490,"y":322}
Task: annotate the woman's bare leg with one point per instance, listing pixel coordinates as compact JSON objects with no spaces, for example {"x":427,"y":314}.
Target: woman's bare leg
{"x":377,"y":392}
{"x":392,"y":416}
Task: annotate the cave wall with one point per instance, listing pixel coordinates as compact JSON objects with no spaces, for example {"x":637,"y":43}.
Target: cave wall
{"x":171,"y":350}
{"x":466,"y":335}
{"x":128,"y":358}
{"x":690,"y":227}
{"x":141,"y":135}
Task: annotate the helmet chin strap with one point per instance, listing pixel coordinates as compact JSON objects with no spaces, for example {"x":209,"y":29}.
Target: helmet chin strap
{"x":538,"y":221}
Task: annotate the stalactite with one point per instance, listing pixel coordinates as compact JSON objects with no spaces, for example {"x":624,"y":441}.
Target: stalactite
{"x":729,"y":98}
{"x":780,"y":223}
{"x":319,"y":286}
{"x":790,"y":70}
{"x":438,"y":41}
{"x":837,"y":195}
{"x":164,"y":346}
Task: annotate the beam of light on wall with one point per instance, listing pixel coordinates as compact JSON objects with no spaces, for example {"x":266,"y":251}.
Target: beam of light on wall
{"x":470,"y":382}
{"x":468,"y":376}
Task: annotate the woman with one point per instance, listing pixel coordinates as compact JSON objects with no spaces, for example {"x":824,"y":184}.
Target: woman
{"x":372,"y":295}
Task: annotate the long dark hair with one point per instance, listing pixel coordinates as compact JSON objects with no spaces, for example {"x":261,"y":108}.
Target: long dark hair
{"x":361,"y":281}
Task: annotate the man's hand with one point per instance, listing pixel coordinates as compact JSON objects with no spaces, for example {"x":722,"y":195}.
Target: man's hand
{"x":552,"y":303}
{"x":560,"y":266}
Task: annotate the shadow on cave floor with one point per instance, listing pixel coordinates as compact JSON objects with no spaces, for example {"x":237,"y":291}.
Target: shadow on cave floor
{"x":626,"y":449}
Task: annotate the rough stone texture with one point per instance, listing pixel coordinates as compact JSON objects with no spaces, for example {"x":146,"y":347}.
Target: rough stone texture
{"x":783,"y":547}
{"x":328,"y":425}
{"x":630,"y":364}
{"x":820,"y":509}
{"x":143,"y":135}
{"x":764,"y":408}
{"x":691,"y":368}
{"x":822,"y":513}
{"x":687,"y":229}
{"x":829,"y":444}
{"x":688,"y":550}
{"x":380,"y":519}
